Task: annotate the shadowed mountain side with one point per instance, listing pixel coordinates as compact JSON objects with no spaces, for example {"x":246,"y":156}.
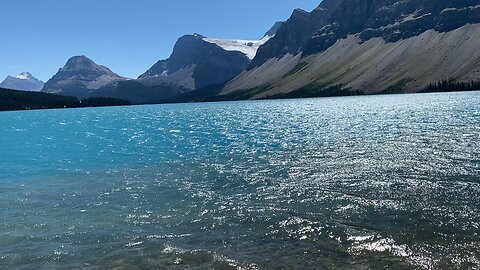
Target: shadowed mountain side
{"x":196,"y":63}
{"x":372,"y":66}
{"x":139,"y":93}
{"x":392,"y":20}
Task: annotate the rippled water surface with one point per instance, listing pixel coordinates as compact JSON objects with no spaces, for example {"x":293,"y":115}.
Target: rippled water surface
{"x":336,"y":183}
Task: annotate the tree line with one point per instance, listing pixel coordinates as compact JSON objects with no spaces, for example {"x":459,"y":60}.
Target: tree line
{"x":11,"y":100}
{"x":451,"y":85}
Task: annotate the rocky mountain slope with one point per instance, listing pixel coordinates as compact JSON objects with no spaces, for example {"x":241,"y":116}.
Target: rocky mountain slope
{"x":366,"y":46}
{"x":83,"y":78}
{"x":80,"y":77}
{"x":24,"y":81}
{"x":197,"y":61}
{"x":343,"y":47}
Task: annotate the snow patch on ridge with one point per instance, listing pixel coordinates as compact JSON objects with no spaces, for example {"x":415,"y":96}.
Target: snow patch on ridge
{"x":247,"y":47}
{"x":23,"y":76}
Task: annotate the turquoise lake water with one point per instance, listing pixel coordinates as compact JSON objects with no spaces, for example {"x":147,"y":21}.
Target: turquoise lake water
{"x":335,"y":183}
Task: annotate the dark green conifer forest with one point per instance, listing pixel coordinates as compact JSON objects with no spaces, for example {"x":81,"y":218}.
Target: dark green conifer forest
{"x":11,"y":100}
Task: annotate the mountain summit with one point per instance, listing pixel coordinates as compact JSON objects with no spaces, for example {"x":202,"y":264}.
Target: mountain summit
{"x":80,"y":77}
{"x":198,"y":61}
{"x":24,"y":81}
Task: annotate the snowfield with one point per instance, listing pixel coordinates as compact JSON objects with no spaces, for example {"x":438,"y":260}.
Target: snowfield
{"x":247,"y":47}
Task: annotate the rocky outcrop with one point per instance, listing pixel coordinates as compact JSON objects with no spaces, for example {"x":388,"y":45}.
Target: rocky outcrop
{"x":392,"y":20}
{"x":273,"y":31}
{"x":291,"y":35}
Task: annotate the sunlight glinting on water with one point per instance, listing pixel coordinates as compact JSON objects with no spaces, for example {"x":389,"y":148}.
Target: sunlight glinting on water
{"x":337,"y":182}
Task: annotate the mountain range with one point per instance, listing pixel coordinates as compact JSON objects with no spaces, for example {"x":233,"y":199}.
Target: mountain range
{"x":24,"y":81}
{"x":343,"y":47}
{"x":195,"y":63}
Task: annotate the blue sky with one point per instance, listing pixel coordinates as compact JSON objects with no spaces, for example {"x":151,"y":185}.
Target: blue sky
{"x":128,"y":36}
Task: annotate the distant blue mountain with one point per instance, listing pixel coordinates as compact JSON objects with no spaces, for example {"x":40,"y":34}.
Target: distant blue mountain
{"x":24,"y":81}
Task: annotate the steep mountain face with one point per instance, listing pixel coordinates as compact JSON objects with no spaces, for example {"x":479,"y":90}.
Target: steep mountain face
{"x":392,"y":20}
{"x":80,"y":77}
{"x":391,"y":44}
{"x":313,"y":32}
{"x":24,"y":81}
{"x":197,"y":62}
{"x":291,"y":35}
{"x":273,"y":31}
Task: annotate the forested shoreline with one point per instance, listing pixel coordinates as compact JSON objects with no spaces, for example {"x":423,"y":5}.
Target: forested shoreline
{"x":12,"y":100}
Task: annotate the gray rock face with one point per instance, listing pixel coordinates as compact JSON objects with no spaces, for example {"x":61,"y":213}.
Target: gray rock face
{"x":80,"y":77}
{"x":291,"y":35}
{"x":313,"y":32}
{"x":367,"y":46}
{"x":392,"y":20}
{"x":24,"y":81}
{"x":196,"y":63}
{"x":273,"y":31}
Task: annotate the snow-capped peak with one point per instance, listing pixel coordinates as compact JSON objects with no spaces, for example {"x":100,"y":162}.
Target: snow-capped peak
{"x":23,"y":81}
{"x":24,"y":76}
{"x":247,"y":47}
